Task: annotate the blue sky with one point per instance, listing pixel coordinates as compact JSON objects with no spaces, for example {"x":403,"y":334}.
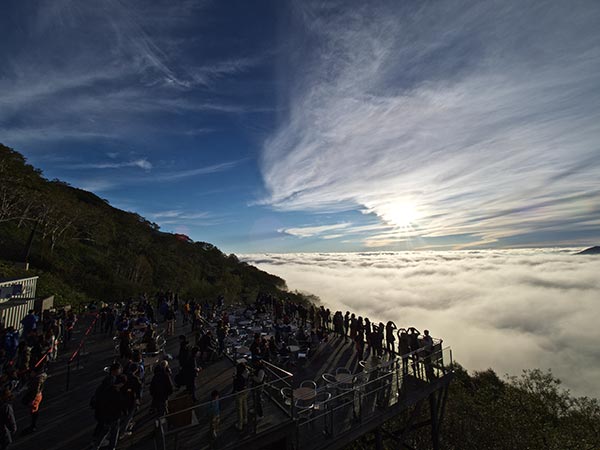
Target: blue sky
{"x":317,"y":126}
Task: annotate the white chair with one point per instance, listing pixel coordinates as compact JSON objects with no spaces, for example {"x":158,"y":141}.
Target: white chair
{"x":286,"y":395}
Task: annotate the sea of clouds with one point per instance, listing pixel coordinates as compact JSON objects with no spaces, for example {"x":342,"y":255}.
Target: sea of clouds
{"x":505,"y":309}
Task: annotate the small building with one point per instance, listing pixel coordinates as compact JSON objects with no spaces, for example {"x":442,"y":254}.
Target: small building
{"x":17,"y":288}
{"x":17,"y":298}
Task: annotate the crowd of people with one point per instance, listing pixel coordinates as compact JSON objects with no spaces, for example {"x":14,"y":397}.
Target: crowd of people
{"x":134,"y":327}
{"x":24,"y":358}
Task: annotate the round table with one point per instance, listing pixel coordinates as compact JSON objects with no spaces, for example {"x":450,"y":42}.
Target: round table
{"x":304,"y":393}
{"x":344,"y":378}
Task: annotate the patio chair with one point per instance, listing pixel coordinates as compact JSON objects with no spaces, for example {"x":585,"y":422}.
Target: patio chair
{"x":286,"y":395}
{"x":309,"y":384}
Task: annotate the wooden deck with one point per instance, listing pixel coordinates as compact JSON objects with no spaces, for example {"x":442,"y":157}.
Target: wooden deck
{"x":67,"y":422}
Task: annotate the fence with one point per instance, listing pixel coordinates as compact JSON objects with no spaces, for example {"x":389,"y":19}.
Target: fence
{"x":76,"y":356}
{"x":21,"y":288}
{"x":338,"y":407}
{"x":196,"y":421}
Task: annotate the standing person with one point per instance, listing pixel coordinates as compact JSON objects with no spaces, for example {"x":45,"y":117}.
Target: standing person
{"x":215,"y":414}
{"x":161,"y":387}
{"x":413,"y":338}
{"x":258,"y":380}
{"x":189,"y":372}
{"x":170,"y":318}
{"x":184,"y":350}
{"x":369,"y":334}
{"x":33,"y":397}
{"x":125,"y":345}
{"x":69,"y":324}
{"x":346,"y":325}
{"x":353,"y":325}
{"x":359,"y":338}
{"x":379,"y":334}
{"x":186,"y":312}
{"x":11,"y":342}
{"x":390,"y":338}
{"x":132,"y":393}
{"x":8,"y":424}
{"x":240,"y":383}
{"x":110,"y":321}
{"x":221,"y":334}
{"x":30,"y":323}
{"x":52,"y":343}
{"x":111,"y":410}
{"x":403,"y":348}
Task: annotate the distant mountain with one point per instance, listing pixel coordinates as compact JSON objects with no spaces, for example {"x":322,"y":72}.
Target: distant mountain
{"x":590,"y":251}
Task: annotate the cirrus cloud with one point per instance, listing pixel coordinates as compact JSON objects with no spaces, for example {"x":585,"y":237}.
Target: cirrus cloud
{"x":481,"y":116}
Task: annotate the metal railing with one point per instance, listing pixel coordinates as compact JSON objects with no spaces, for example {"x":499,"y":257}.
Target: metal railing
{"x":373,"y":391}
{"x":197,"y":420}
{"x":79,"y":352}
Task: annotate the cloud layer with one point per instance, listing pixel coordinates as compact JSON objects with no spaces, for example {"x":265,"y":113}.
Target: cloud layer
{"x":482,"y":117}
{"x":505,"y":309}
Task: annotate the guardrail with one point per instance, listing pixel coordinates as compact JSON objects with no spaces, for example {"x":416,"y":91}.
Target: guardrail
{"x":79,"y":351}
{"x":338,"y":407}
{"x":196,"y":419}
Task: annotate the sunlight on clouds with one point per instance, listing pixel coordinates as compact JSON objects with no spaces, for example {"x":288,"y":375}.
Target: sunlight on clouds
{"x":489,"y":122}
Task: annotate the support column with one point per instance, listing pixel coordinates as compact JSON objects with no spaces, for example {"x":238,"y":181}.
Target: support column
{"x":435,"y":432}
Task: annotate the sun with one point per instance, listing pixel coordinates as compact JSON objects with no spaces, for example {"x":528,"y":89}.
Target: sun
{"x":401,"y":214}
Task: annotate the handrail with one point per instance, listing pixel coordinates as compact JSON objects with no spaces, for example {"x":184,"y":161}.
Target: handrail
{"x":77,"y":352}
{"x":45,"y":355}
{"x":226,"y":397}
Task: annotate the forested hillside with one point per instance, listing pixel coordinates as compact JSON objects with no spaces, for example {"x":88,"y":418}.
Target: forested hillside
{"x":83,"y":248}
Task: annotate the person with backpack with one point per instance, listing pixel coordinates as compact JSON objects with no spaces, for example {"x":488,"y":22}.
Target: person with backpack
{"x":240,"y":384}
{"x":8,"y":424}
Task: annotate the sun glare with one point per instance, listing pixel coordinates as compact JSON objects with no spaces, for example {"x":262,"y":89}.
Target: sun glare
{"x":401,"y":214}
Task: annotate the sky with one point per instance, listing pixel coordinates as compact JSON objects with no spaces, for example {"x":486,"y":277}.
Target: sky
{"x":506,"y":309}
{"x":312,"y":126}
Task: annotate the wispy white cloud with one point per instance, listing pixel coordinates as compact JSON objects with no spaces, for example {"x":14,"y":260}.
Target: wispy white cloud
{"x":166,"y":176}
{"x":313,"y":230}
{"x":482,"y":118}
{"x":141,"y":163}
{"x":181,"y":214}
{"x":178,"y":219}
{"x":187,"y":173}
{"x":505,"y":309}
{"x":127,"y":67}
